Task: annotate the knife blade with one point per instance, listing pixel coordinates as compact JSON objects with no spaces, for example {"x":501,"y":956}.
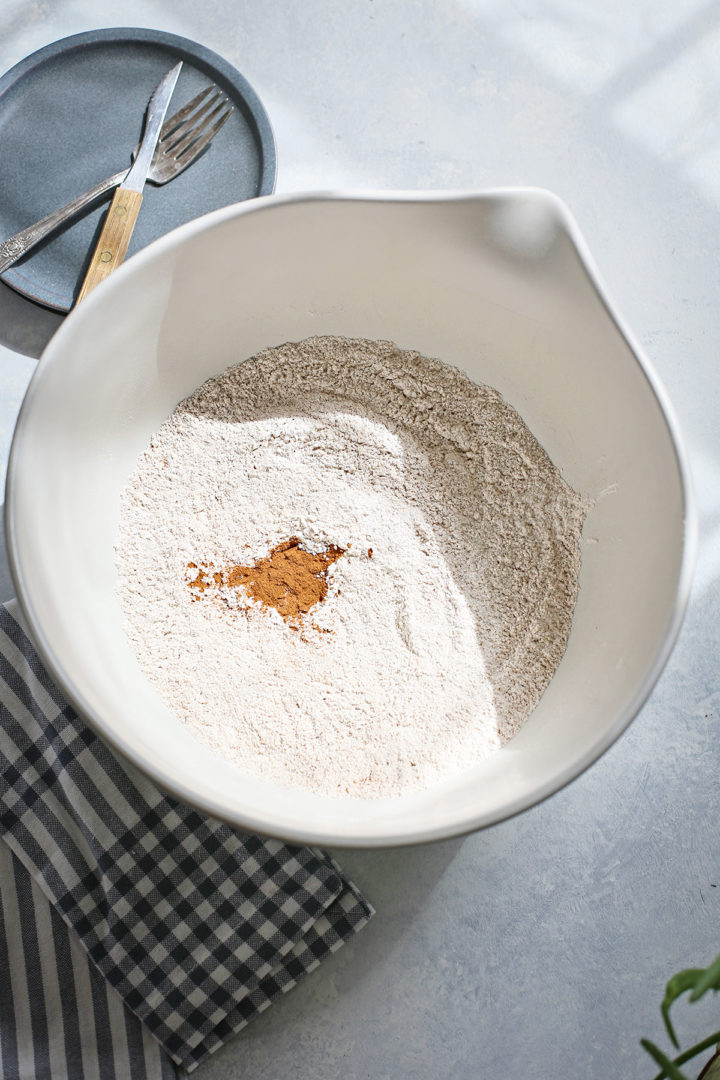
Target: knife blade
{"x":119,"y":223}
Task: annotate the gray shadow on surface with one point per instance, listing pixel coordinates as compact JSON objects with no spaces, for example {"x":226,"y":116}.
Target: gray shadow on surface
{"x":398,"y":882}
{"x":25,"y":327}
{"x":7,"y":585}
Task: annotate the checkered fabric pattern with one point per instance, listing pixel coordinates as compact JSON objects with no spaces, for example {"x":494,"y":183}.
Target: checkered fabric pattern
{"x":197,"y":927}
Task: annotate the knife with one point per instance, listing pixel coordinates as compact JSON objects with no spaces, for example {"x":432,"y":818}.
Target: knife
{"x":118,"y":226}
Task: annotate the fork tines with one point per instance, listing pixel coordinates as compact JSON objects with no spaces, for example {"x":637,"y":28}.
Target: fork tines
{"x":197,"y":123}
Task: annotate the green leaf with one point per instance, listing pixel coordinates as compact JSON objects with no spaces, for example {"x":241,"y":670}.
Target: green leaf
{"x":710,"y":980}
{"x":670,"y":1070}
{"x":684,"y":980}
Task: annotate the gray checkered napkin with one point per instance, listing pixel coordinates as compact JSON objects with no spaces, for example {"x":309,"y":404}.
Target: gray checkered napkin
{"x":195,"y":926}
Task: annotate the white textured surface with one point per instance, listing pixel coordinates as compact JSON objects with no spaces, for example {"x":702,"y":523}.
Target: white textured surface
{"x":539,"y":948}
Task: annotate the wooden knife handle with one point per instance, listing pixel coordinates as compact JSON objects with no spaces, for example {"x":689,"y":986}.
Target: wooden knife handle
{"x":114,"y":239}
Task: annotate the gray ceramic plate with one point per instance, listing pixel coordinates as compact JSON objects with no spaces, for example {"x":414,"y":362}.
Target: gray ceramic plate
{"x":70,"y":115}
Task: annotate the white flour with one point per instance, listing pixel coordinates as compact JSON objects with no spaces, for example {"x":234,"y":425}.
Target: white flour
{"x":435,"y":649}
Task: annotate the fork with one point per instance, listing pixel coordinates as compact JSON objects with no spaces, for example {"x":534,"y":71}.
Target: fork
{"x":182,"y":138}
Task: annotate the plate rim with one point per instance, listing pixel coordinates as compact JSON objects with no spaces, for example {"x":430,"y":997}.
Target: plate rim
{"x":247,"y":98}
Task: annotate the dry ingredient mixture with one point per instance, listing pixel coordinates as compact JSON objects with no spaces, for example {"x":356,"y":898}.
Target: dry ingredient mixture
{"x":348,"y":568}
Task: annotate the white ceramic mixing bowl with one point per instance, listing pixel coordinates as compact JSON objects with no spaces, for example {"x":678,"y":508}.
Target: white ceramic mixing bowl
{"x":499,"y":284}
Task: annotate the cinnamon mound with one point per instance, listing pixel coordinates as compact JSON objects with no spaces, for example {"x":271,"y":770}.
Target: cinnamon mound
{"x":289,"y":579}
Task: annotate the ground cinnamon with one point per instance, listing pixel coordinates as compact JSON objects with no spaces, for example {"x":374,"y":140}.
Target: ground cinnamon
{"x":289,"y":579}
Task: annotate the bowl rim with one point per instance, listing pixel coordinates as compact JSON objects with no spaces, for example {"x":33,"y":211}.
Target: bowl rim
{"x":471,"y":822}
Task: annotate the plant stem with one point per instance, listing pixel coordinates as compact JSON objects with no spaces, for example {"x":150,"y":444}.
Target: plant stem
{"x":706,"y":1044}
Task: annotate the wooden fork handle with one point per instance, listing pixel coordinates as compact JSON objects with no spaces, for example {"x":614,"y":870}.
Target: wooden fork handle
{"x":112,"y":246}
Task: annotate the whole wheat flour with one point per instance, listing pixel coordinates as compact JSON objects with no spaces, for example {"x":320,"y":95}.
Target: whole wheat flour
{"x":347,"y":568}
